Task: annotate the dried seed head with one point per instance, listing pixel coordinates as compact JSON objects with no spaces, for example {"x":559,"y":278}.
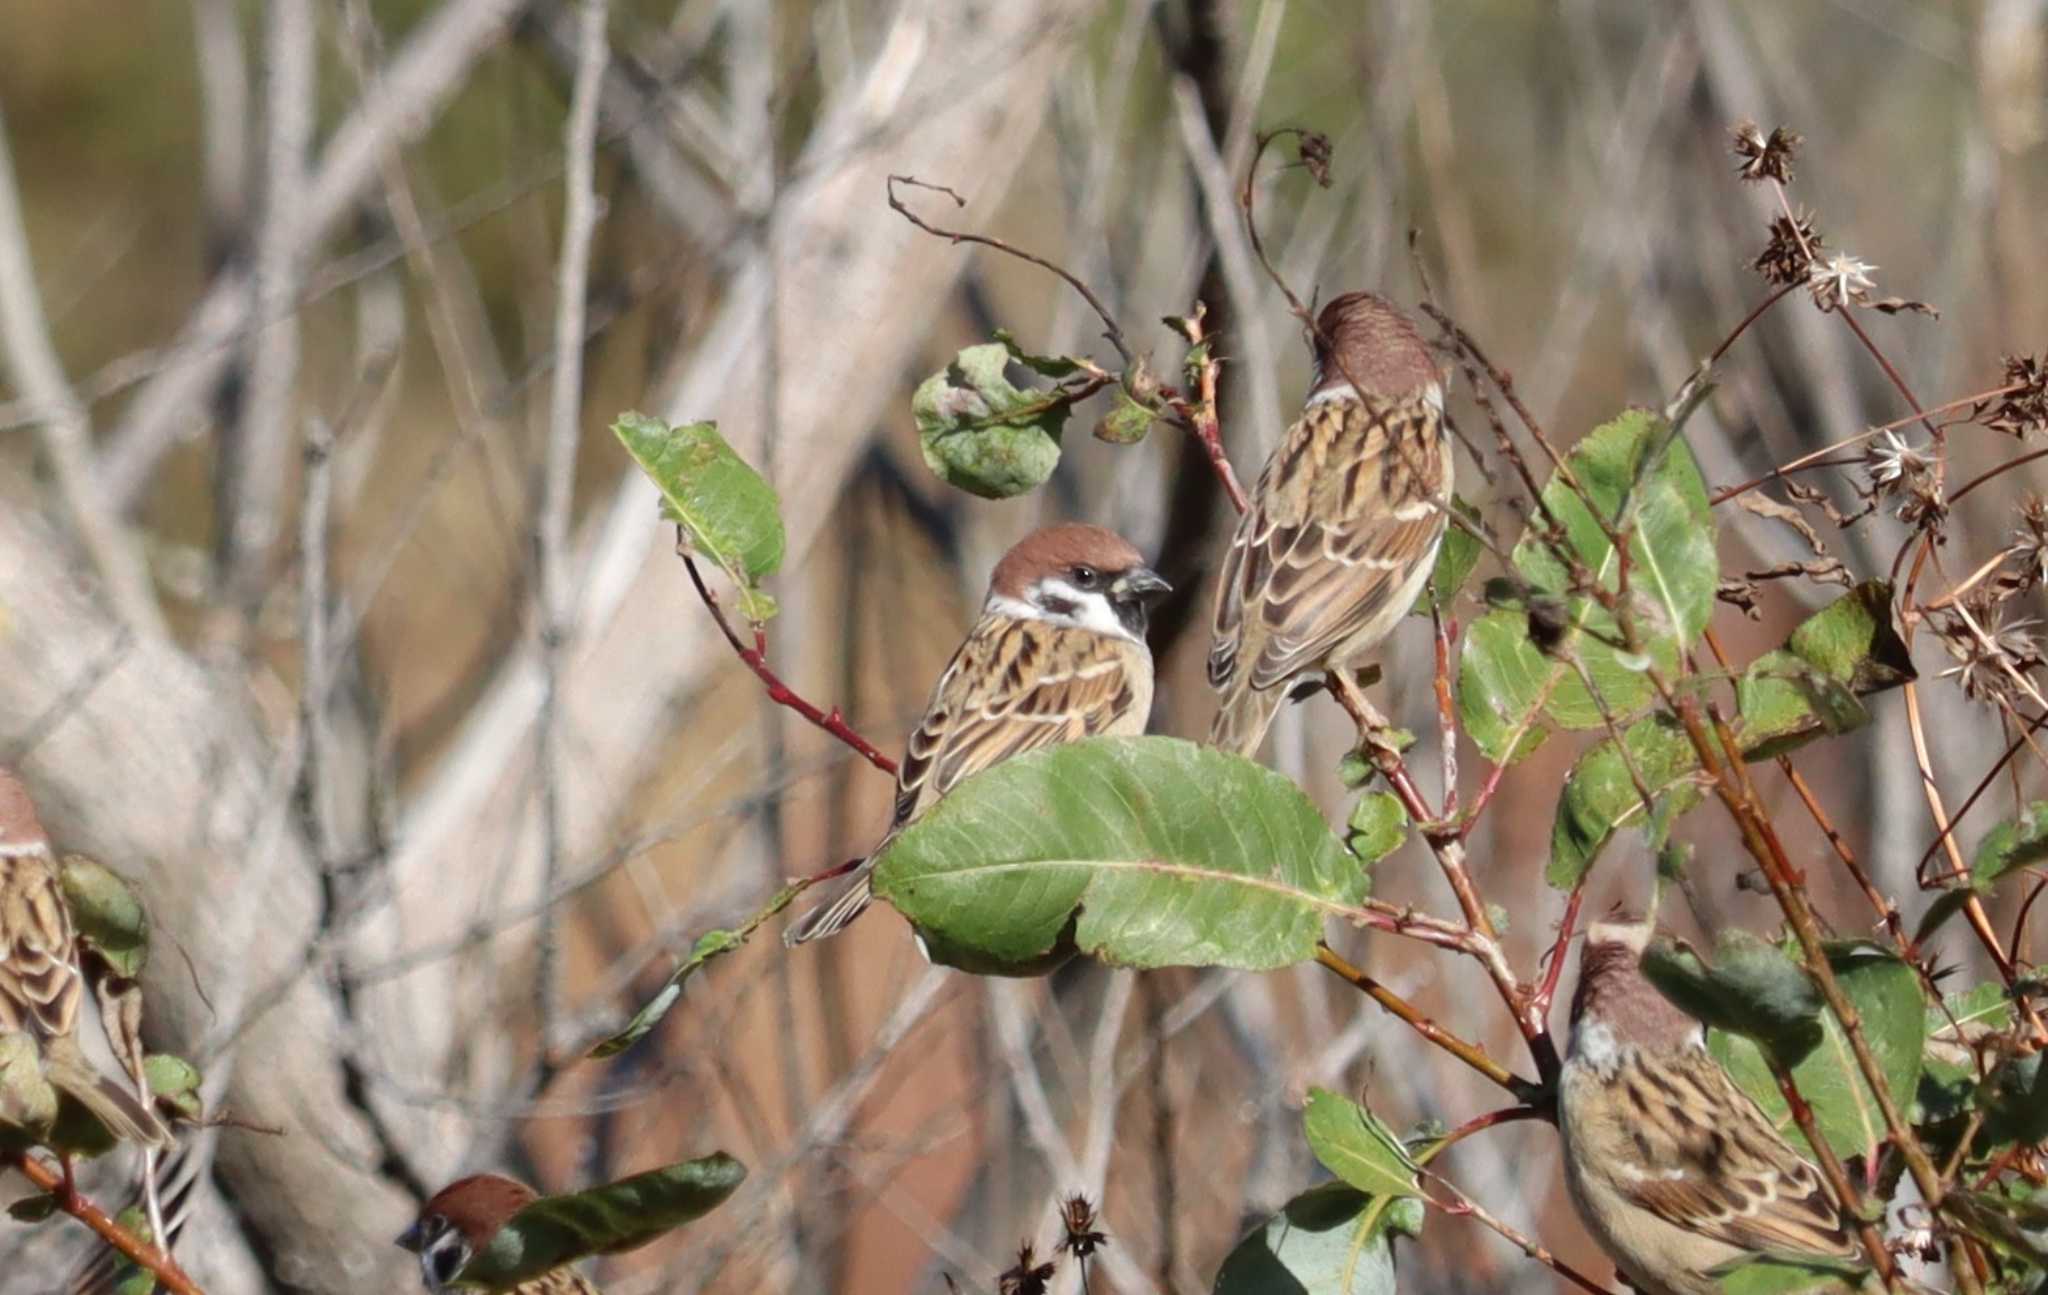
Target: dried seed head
{"x":2030,"y":543}
{"x":2026,"y":409}
{"x":1991,"y":654}
{"x":1765,"y":157}
{"x":1891,"y":462}
{"x":1027,"y":1277}
{"x":1840,"y":281}
{"x":1315,"y":156}
{"x":1906,"y":474}
{"x":1792,"y":251}
{"x":1077,"y":1215}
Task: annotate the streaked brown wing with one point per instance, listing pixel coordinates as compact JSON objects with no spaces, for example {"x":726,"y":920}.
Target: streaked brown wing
{"x":1346,"y":509}
{"x":1014,"y":686}
{"x":1716,"y":1166}
{"x":39,"y":982}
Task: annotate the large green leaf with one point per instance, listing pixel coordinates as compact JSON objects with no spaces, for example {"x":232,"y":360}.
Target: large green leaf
{"x":1143,"y":851}
{"x":2014,"y":843}
{"x":981,"y":433}
{"x":1600,"y":795}
{"x":1846,"y":651}
{"x":1886,"y":994}
{"x":1330,"y":1240}
{"x":558,"y":1230}
{"x":1752,"y":988}
{"x":1642,"y":480}
{"x":1353,"y":1144}
{"x":730,"y":513}
{"x":1812,"y":685}
{"x":1787,"y":1274}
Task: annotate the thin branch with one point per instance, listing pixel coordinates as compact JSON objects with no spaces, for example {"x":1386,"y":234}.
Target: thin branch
{"x":1113,"y":332}
{"x":160,"y":1265}
{"x":1471,"y":1054}
{"x":558,"y":488}
{"x":30,"y":359}
{"x":756,"y":659}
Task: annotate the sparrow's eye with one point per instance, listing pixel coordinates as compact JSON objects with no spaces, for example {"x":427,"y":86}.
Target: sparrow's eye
{"x":1085,"y":577}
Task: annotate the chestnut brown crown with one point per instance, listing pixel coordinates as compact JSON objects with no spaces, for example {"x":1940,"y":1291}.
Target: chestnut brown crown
{"x":1059,"y":550}
{"x":1614,"y":991}
{"x":1364,"y":339}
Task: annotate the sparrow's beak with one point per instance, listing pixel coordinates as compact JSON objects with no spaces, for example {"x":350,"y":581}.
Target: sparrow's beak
{"x":411,"y":1239}
{"x":1139,"y":584}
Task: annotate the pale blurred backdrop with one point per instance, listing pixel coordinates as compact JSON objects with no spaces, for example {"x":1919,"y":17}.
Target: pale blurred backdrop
{"x":247,"y":228}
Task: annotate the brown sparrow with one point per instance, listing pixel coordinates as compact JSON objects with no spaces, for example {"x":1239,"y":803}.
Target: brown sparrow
{"x":1344,"y":524}
{"x":41,"y":984}
{"x":462,"y":1218}
{"x":1674,"y":1169}
{"x":1059,"y":654}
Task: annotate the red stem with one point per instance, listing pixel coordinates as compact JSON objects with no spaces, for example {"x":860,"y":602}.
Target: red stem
{"x":160,"y":1265}
{"x":756,"y":658}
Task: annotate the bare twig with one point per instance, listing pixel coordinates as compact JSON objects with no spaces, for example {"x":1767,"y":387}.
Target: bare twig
{"x":1112,"y":331}
{"x":31,"y":361}
{"x":558,"y":483}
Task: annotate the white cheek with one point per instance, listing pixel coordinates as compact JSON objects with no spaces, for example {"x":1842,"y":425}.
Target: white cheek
{"x":1593,"y":1043}
{"x":1091,"y":610}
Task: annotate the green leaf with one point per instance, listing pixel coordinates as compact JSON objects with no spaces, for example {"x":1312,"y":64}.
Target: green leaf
{"x":557,"y":1230}
{"x":1784,"y":1274}
{"x":1809,"y":687}
{"x":1126,"y":422}
{"x":730,"y":513}
{"x":174,"y":1080}
{"x":131,"y":1278}
{"x":1354,"y":1145}
{"x":1141,"y":851}
{"x":109,"y":917}
{"x":1378,"y":826}
{"x":712,"y":944}
{"x":32,"y":1209}
{"x":1455,"y":559}
{"x":982,"y":434}
{"x":1886,"y":994}
{"x":1047,"y":366}
{"x":1644,"y":481}
{"x":1600,"y":797}
{"x":1327,"y":1241}
{"x":2014,"y":843}
{"x":2016,"y":1109}
{"x":1751,"y":989}
{"x":1503,"y":683}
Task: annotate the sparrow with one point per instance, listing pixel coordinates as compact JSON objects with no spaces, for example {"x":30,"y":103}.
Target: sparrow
{"x":1343,"y":526}
{"x":462,"y":1218}
{"x":1674,"y":1169}
{"x":1057,"y":655}
{"x":41,"y":982}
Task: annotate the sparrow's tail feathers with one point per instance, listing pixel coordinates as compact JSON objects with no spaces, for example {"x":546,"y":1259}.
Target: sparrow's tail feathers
{"x":1241,"y":723}
{"x":112,"y":1101}
{"x":837,"y":913}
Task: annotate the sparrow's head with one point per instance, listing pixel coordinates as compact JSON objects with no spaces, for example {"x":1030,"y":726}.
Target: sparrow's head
{"x":1364,"y":339}
{"x":1077,"y":575}
{"x":460,"y":1220}
{"x":21,"y":832}
{"x":1616,"y":1007}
